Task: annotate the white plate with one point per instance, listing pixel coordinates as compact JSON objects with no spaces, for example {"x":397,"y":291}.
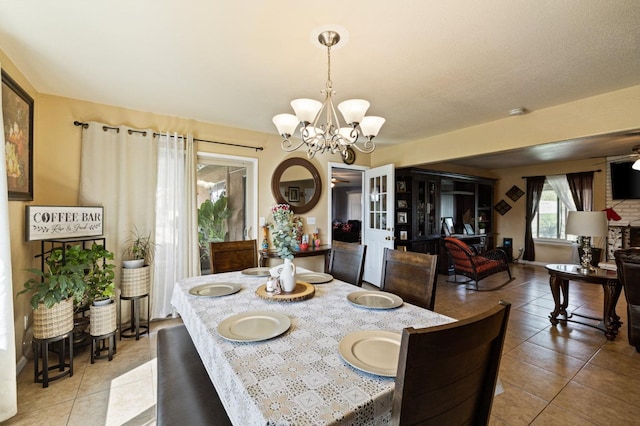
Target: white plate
{"x":253,"y":326}
{"x":372,"y":351}
{"x":375,"y":299}
{"x":257,"y":272}
{"x":314,"y":277}
{"x":215,"y":289}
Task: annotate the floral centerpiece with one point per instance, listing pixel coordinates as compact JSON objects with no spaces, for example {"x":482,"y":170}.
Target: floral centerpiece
{"x":283,"y":230}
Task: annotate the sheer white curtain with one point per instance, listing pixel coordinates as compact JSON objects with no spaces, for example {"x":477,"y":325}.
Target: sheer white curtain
{"x":177,"y":253}
{"x":560,"y":186}
{"x":118,"y":171}
{"x":8,"y":386}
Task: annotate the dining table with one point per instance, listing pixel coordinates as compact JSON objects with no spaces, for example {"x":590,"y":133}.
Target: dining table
{"x":301,"y":376}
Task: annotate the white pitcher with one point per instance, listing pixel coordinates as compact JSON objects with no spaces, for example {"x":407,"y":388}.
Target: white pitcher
{"x":288,"y":276}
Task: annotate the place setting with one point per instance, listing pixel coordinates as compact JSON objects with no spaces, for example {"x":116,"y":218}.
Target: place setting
{"x":257,"y":272}
{"x":315,"y":277}
{"x":375,"y":299}
{"x":372,"y":351}
{"x":253,"y":326}
{"x":215,"y":289}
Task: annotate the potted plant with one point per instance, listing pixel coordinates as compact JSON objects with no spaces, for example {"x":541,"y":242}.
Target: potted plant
{"x":100,"y":275}
{"x":139,"y":251}
{"x":135,"y":278}
{"x":55,"y":290}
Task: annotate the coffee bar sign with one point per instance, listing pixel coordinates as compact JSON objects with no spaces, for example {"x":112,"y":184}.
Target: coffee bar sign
{"x":54,"y":222}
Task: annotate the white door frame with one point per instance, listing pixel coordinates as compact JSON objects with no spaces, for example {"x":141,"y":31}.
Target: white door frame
{"x":331,"y":166}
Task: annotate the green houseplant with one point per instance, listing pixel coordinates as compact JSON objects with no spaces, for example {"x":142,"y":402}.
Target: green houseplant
{"x":55,"y":289}
{"x":139,"y":250}
{"x":63,"y":277}
{"x":212,"y":226}
{"x":100,"y":274}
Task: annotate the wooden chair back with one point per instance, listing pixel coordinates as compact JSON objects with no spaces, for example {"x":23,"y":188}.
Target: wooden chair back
{"x":346,"y":262}
{"x":411,"y":276}
{"x":230,"y":256}
{"x":447,"y":374}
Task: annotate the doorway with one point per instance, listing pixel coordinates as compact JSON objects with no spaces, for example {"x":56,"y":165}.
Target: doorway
{"x":345,"y":202}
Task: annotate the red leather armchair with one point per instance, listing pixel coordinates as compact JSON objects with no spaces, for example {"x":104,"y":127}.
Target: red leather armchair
{"x":475,"y":266}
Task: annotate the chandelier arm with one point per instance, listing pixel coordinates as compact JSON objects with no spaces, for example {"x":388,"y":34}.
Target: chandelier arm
{"x":287,"y":145}
{"x":367,"y":147}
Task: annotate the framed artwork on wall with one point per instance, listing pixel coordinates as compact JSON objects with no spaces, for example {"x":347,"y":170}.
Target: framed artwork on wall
{"x":294,"y":194}
{"x":402,"y":217}
{"x":17,"y":112}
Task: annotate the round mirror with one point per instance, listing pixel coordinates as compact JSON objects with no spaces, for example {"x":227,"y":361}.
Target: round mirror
{"x":296,"y":182}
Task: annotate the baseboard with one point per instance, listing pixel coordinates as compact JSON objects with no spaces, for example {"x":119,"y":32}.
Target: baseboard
{"x":22,"y":362}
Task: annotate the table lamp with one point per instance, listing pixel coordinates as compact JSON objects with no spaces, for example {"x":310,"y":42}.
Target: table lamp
{"x":587,"y":225}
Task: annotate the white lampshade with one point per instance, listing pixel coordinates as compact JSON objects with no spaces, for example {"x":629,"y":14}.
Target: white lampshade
{"x":306,"y":109}
{"x":587,"y":224}
{"x":371,"y":125}
{"x":286,"y":124}
{"x":353,"y":110}
{"x":636,"y":165}
{"x":347,"y":134}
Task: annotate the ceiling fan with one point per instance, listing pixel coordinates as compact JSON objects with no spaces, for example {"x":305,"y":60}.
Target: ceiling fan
{"x":336,"y":180}
{"x":634,"y":155}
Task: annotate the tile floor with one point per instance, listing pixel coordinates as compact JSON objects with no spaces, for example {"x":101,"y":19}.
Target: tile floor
{"x":564,"y":375}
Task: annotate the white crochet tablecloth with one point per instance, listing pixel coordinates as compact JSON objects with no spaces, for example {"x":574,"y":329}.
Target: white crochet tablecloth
{"x":298,"y":378}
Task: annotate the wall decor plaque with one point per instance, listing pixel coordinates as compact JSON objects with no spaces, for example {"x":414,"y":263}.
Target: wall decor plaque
{"x":502,"y":207}
{"x":55,"y":222}
{"x":515,"y":193}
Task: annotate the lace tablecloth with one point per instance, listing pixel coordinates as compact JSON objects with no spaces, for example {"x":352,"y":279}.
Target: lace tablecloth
{"x":298,"y":378}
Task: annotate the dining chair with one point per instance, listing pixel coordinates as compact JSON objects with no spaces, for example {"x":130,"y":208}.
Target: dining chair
{"x":230,"y":256}
{"x":346,"y":262}
{"x":411,"y":276}
{"x":447,"y":374}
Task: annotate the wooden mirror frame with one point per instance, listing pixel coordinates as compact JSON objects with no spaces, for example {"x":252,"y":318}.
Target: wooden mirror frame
{"x":317,"y":183}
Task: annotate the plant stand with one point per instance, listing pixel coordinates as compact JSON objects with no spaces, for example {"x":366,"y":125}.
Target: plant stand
{"x":135,"y":326}
{"x":106,"y":342}
{"x":41,"y":349}
{"x":103,"y":330}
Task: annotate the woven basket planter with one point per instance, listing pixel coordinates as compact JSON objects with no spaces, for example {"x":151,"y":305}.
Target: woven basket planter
{"x":102,"y":319}
{"x":135,"y":282}
{"x":54,"y":321}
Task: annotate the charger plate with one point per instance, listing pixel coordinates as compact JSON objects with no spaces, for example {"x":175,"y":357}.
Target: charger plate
{"x":315,"y":277}
{"x":302,"y":291}
{"x":215,"y":289}
{"x":372,"y":351}
{"x":257,"y":272}
{"x":253,"y":326}
{"x":375,"y":299}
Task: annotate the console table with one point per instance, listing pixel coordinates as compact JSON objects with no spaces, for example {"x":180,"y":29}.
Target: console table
{"x":559,"y":277}
{"x":322,"y":250}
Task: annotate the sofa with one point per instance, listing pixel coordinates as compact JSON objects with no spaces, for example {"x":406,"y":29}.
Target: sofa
{"x":628,"y":263}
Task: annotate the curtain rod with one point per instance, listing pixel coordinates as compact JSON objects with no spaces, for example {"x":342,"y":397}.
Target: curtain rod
{"x":144,"y":133}
{"x":559,"y":174}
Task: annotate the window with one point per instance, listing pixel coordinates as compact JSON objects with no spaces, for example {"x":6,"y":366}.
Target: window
{"x":550,"y":221}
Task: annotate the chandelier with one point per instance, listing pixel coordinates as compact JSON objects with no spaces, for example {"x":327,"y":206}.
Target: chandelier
{"x":329,"y":135}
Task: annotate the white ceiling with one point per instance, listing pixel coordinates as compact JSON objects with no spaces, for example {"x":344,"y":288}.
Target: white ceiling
{"x":427,"y":66}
